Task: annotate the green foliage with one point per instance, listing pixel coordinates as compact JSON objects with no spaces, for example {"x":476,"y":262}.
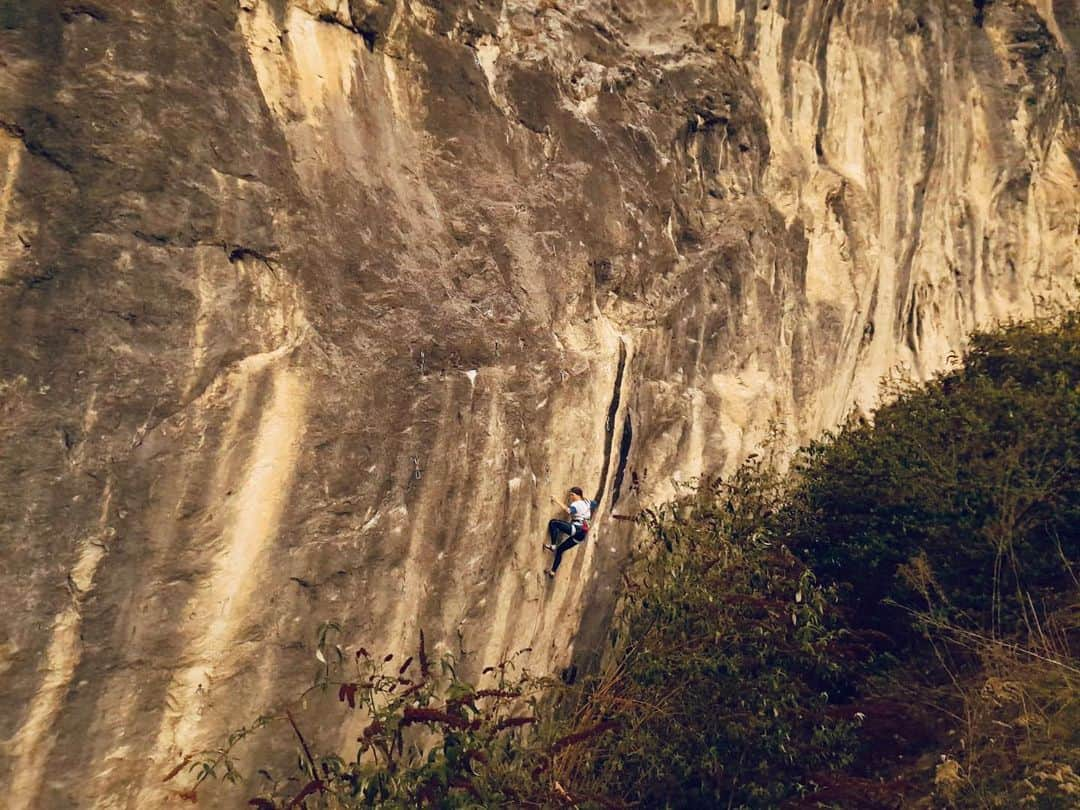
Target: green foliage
{"x":429,"y":737}
{"x":978,"y":473}
{"x":951,"y":524}
{"x":725,"y":664}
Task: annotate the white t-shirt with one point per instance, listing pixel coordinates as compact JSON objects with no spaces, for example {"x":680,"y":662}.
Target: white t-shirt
{"x":580,"y":511}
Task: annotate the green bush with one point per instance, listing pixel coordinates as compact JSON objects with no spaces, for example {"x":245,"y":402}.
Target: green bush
{"x":977,"y":472}
{"x":430,"y":738}
{"x":725,"y":663}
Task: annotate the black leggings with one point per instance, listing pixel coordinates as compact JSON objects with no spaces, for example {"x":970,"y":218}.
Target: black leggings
{"x":575,"y":534}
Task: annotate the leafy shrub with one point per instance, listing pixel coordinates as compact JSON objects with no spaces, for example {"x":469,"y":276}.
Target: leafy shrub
{"x":430,"y":738}
{"x":725,"y":663}
{"x":977,"y":473}
{"x":951,"y":524}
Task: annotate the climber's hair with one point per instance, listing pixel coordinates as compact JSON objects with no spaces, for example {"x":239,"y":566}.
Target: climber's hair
{"x":577,"y":491}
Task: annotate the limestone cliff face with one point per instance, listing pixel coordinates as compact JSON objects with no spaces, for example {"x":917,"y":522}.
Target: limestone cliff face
{"x":930,"y":151}
{"x":308,"y":305}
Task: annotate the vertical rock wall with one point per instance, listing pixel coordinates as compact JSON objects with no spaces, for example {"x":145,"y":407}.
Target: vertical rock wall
{"x":930,"y":149}
{"x":308,"y":305}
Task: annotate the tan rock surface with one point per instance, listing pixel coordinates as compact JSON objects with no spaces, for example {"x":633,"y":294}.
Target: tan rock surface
{"x":308,"y":305}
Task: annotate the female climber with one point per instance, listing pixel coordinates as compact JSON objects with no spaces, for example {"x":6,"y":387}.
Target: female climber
{"x":576,"y":529}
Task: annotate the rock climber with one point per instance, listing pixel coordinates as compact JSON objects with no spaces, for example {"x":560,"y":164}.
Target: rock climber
{"x":576,"y":529}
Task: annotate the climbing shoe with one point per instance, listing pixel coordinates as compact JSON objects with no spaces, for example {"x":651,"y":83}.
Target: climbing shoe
{"x":549,"y":546}
{"x":550,"y":573}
